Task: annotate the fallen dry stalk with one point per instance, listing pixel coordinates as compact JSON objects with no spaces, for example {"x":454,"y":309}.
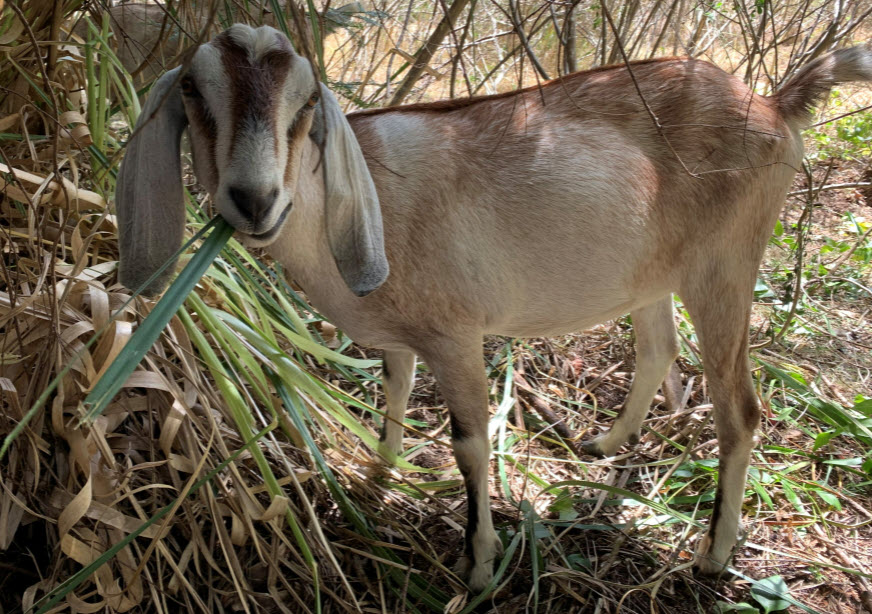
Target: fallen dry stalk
{"x":44,"y":191}
{"x":554,"y":421}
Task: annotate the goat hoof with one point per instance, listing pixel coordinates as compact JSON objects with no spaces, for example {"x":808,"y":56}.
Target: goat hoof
{"x":704,"y":564}
{"x":478,"y":576}
{"x":463,"y":567}
{"x":593,"y":448}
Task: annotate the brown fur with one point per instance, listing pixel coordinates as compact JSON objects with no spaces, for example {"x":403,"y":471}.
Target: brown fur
{"x":254,"y":84}
{"x":498,"y":139}
{"x":815,"y":80}
{"x":440,"y":106}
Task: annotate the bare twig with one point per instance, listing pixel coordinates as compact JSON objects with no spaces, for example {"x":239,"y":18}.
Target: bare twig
{"x":425,"y":53}
{"x":802,"y":226}
{"x":843,"y":115}
{"x":553,"y":420}
{"x":651,"y":114}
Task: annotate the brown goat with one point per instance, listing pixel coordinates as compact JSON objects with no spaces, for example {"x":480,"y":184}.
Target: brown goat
{"x":535,"y":213}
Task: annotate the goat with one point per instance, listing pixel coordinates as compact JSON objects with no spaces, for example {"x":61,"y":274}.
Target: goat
{"x":533,"y":213}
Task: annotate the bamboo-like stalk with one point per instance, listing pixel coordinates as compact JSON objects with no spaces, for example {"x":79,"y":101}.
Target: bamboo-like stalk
{"x":425,"y":53}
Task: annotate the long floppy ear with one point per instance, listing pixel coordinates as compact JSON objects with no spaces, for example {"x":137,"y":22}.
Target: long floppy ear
{"x":353,"y":215}
{"x":148,"y":195}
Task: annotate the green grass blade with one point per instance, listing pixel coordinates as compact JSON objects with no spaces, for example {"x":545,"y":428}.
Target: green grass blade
{"x":245,"y":424}
{"x":418,"y":588}
{"x":55,"y":382}
{"x":311,"y":347}
{"x":829,"y":413}
{"x":317,"y":38}
{"x":626,"y":494}
{"x":150,"y":329}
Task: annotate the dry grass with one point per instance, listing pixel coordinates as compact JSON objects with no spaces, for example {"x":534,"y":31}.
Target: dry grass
{"x":292,"y":516}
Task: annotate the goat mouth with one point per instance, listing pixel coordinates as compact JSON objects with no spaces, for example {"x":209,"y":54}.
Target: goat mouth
{"x":272,"y":232}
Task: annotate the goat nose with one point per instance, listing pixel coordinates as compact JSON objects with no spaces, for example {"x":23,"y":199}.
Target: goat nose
{"x":251,"y":202}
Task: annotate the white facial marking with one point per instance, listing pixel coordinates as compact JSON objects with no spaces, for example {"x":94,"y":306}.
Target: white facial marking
{"x":258,"y":41}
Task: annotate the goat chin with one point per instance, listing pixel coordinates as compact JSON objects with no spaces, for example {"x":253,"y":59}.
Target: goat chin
{"x":254,"y":242}
{"x":420,"y":228}
{"x":263,"y":240}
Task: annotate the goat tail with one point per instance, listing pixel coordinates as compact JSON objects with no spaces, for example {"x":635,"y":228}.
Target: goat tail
{"x":797,"y":97}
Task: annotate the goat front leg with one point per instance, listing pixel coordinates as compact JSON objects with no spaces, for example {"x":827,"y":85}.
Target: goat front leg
{"x":459,"y":370}
{"x":398,"y":376}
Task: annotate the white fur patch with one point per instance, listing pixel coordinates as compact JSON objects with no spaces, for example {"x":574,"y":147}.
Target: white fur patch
{"x":211,"y":79}
{"x":258,"y":41}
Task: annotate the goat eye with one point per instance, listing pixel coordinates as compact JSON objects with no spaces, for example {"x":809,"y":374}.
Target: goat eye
{"x":313,"y":100}
{"x":188,"y":87}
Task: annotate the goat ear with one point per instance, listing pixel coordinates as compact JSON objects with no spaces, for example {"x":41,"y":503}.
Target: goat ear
{"x":353,"y":215}
{"x":148,"y":194}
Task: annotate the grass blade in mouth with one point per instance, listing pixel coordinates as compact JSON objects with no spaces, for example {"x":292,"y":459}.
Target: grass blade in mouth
{"x":152,"y":326}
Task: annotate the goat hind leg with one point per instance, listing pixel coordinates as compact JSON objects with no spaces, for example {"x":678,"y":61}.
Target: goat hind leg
{"x":459,"y":370}
{"x":656,"y":351}
{"x":398,"y":376}
{"x":721,"y":314}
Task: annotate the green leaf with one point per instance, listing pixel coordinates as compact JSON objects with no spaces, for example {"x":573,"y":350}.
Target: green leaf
{"x":564,"y":506}
{"x":829,"y":498}
{"x":626,"y":495}
{"x":764,"y":496}
{"x":864,"y":407}
{"x":770,"y":593}
{"x":579,"y":562}
{"x":779,"y":229}
{"x":743,"y":608}
{"x":846,"y":420}
{"x":152,"y":326}
{"x":822,"y":439}
{"x":791,"y":496}
{"x":762,"y":290}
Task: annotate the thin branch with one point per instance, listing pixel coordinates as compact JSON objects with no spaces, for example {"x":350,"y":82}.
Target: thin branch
{"x":802,"y":226}
{"x":834,"y":186}
{"x":651,"y":114}
{"x":843,"y":115}
{"x":425,"y":53}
